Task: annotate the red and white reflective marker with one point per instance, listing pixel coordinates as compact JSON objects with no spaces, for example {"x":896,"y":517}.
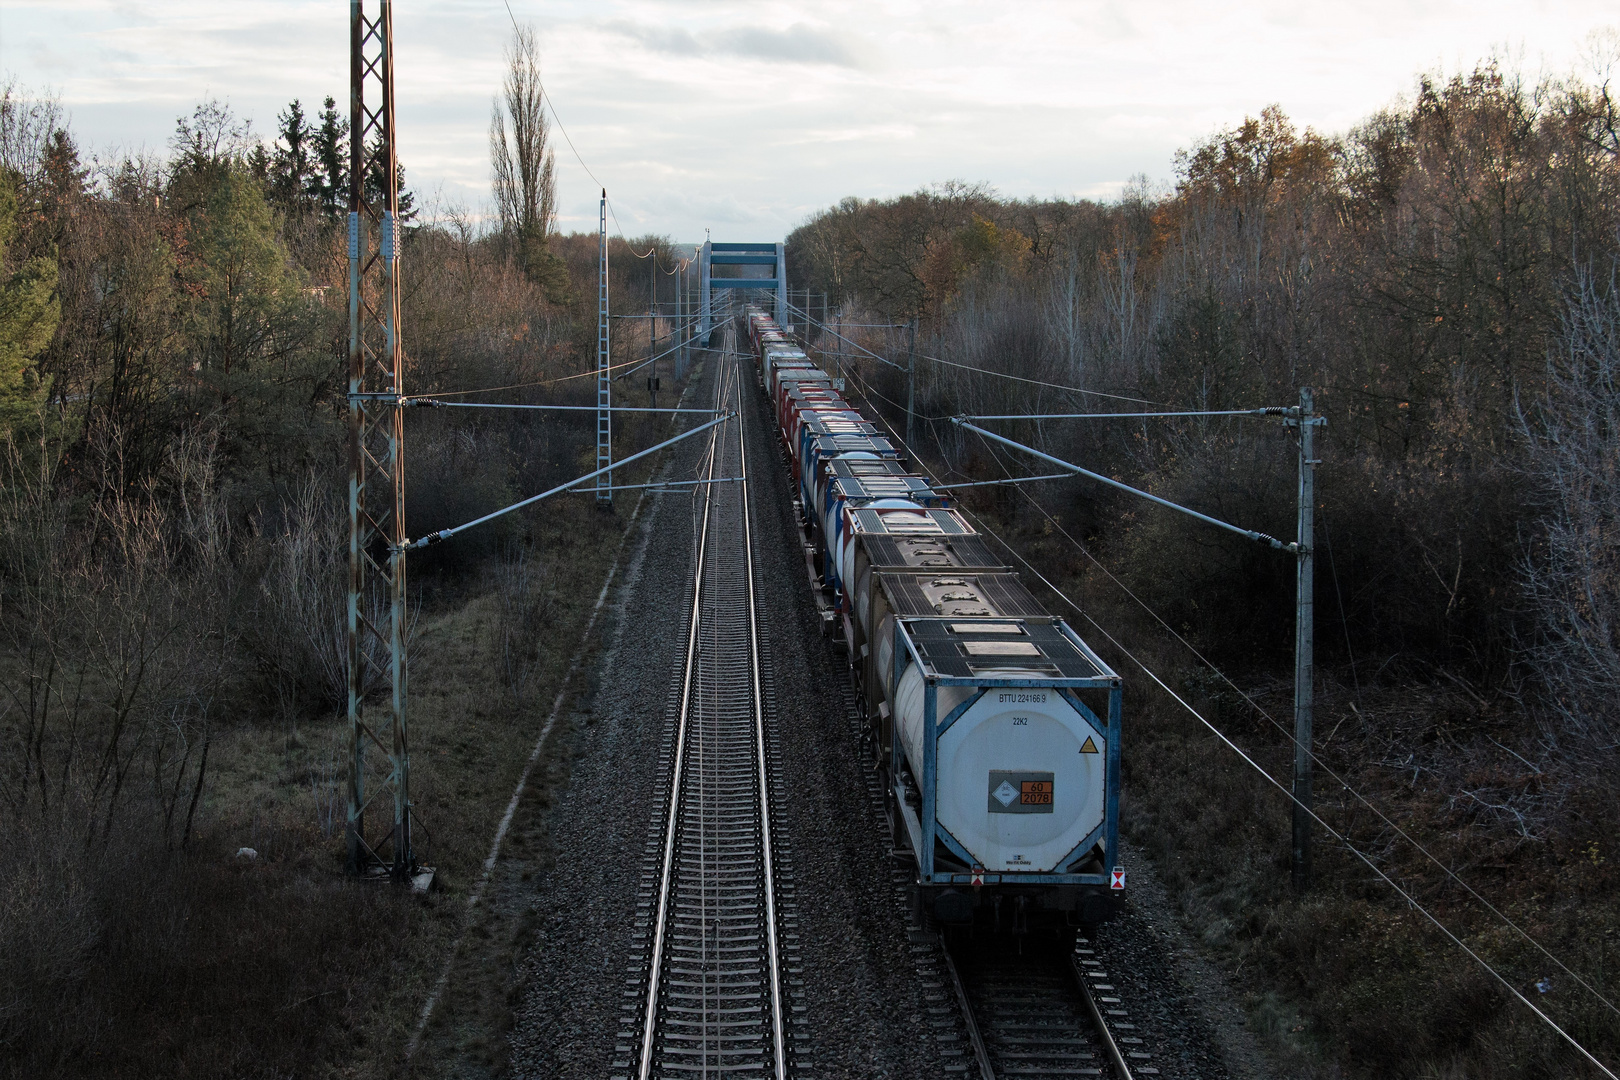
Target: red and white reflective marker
{"x":1116,"y":879}
{"x":978,"y":878}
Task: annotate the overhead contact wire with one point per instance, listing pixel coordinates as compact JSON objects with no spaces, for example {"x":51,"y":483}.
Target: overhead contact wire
{"x":1317,"y":760}
{"x":967,"y":367}
{"x":1343,"y":841}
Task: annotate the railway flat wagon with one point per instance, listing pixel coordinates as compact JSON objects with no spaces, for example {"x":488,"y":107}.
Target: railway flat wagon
{"x":884,"y":517}
{"x":775,"y":362}
{"x":794,"y":395}
{"x":843,"y":491}
{"x":888,"y":592}
{"x":997,"y":727}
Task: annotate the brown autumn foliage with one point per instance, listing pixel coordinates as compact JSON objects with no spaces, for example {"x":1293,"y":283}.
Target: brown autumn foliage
{"x":1416,"y":272}
{"x":172,"y":564}
{"x":1444,"y":276}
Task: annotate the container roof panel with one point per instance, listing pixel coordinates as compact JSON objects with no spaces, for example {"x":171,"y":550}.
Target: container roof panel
{"x":1039,"y":648}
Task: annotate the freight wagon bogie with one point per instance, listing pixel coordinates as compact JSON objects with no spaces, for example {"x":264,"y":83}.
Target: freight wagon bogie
{"x":1016,"y":909}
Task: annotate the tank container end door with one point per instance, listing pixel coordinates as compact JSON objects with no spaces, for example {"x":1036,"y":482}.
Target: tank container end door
{"x":1022,"y":778}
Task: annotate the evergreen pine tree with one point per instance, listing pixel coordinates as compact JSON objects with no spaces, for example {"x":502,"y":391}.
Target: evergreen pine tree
{"x":259,"y":163}
{"x":374,"y":182}
{"x":29,"y":313}
{"x":65,"y":190}
{"x":293,"y":171}
{"x":329,"y":180}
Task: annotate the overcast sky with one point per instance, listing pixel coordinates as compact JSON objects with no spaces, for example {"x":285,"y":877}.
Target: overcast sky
{"x":744,"y":117}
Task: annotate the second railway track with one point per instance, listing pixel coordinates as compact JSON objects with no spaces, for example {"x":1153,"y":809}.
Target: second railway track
{"x":711,"y":995}
{"x":713,"y":986}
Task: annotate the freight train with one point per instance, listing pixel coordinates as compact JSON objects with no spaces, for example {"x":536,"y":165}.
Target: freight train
{"x":996,"y":729}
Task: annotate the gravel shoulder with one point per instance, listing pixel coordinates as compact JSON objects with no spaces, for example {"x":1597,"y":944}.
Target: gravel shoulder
{"x":1184,"y":1007}
{"x":576,"y":960}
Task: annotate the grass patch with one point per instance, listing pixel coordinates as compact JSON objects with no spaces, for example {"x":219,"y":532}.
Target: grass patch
{"x":136,"y":957}
{"x":1349,"y":980}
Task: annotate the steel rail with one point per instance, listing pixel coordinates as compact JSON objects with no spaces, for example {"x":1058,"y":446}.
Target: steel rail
{"x":778,"y":1035}
{"x":718,"y":1007}
{"x":1018,"y":1031}
{"x":661,"y":920}
{"x":1114,"y":1053}
{"x":981,"y":1053}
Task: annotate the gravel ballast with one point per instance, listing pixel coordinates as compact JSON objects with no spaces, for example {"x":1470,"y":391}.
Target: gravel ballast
{"x":871,"y":978}
{"x":867,"y":1011}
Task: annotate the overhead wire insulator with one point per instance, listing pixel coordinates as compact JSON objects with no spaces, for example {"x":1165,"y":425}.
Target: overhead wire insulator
{"x":390,"y":242}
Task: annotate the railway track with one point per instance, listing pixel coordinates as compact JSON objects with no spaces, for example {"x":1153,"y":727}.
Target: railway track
{"x":713,"y":994}
{"x":1041,"y":1011}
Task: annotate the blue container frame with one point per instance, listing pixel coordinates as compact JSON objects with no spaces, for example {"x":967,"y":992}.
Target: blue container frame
{"x":925,"y":828}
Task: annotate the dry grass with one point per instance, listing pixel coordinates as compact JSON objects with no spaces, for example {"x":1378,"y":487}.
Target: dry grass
{"x":199,"y":963}
{"x":209,"y":965}
{"x":1349,"y":980}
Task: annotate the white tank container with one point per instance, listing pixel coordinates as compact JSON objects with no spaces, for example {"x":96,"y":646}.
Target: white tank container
{"x":992,"y":762}
{"x":828,"y":509}
{"x":901,"y":517}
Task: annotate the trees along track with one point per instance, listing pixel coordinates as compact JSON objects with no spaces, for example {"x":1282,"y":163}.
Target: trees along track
{"x":710,"y":997}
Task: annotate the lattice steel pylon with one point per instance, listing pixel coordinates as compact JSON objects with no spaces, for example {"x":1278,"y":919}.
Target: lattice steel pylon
{"x":376,"y":460}
{"x":604,"y":374}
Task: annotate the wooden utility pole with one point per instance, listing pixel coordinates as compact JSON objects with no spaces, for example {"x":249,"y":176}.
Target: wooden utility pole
{"x":839,"y":334}
{"x":1304,"y":419}
{"x":911,"y":389}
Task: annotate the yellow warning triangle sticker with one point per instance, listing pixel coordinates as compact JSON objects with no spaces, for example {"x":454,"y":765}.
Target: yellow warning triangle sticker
{"x":1088,"y":747}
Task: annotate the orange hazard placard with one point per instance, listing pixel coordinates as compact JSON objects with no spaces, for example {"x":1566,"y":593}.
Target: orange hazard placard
{"x":1035,"y":793}
{"x":1020,"y":791}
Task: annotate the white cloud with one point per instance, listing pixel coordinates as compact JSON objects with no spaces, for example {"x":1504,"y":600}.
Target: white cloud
{"x":743,"y":115}
{"x":799,"y":43}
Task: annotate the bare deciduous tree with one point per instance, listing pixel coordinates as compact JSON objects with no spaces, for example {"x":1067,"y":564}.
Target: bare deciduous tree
{"x":120,"y":638}
{"x":1574,"y":578}
{"x":520,"y":153}
{"x":28,"y":124}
